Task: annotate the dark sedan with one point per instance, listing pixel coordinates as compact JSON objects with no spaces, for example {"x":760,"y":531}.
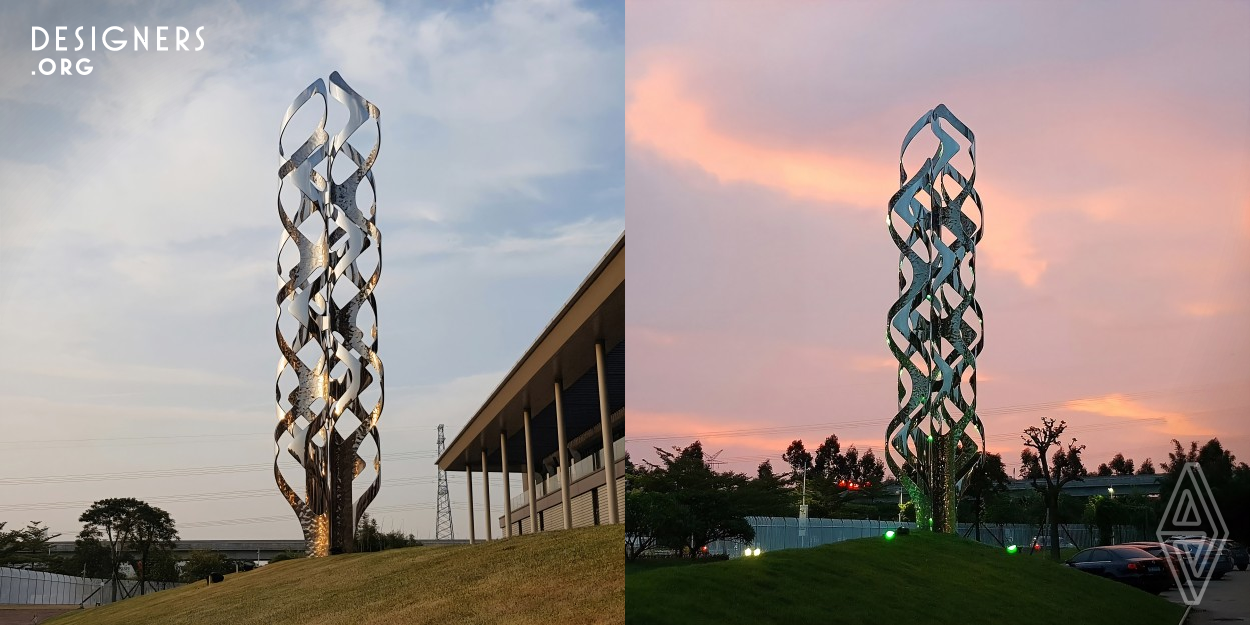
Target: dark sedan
{"x":1129,"y":565}
{"x":1241,"y":557}
{"x":1177,"y":559}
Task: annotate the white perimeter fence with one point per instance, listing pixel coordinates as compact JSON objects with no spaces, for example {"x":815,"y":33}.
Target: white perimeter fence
{"x":25,"y":587}
{"x":773,"y":533}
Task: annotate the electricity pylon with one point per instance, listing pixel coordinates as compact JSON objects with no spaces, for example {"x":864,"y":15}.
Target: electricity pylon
{"x":442,"y":524}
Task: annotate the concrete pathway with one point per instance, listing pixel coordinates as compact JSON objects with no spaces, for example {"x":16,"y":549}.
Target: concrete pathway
{"x":1226,"y":602}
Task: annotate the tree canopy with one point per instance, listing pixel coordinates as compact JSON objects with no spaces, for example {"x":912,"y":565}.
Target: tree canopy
{"x":684,"y":504}
{"x":25,"y":547}
{"x":129,"y":529}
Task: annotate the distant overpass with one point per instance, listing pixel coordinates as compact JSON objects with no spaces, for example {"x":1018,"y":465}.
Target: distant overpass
{"x":236,"y":549}
{"x":1091,"y":485}
{"x":1100,"y":485}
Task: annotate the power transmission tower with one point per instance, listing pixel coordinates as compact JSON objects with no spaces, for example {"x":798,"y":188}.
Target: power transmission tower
{"x":442,"y":525}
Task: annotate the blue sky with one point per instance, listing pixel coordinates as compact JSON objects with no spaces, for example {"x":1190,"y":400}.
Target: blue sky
{"x":138,"y":243}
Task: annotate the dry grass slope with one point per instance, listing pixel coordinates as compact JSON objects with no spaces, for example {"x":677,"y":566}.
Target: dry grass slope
{"x":576,"y":576}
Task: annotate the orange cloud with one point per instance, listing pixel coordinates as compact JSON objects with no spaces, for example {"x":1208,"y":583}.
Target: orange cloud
{"x":668,"y":121}
{"x":1008,"y":244}
{"x":1118,"y":405}
{"x":663,"y":119}
{"x":1207,"y":309}
{"x":874,"y":363}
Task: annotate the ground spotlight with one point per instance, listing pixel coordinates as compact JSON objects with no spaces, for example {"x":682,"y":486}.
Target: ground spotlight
{"x":757,"y":552}
{"x":1012,"y":549}
{"x":889,"y":535}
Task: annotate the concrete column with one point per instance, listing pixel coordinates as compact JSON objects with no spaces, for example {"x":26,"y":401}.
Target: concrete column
{"x":609,"y":454}
{"x":468,"y":474}
{"x":529,"y":473}
{"x":507,"y":487}
{"x":486,"y":492}
{"x":563,"y":443}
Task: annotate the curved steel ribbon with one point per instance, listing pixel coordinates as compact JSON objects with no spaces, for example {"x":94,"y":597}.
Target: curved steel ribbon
{"x":328,"y":361}
{"x":934,"y":329}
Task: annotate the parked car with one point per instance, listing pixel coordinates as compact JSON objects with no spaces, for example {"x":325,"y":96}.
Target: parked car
{"x":1129,"y":565}
{"x":1175,"y":557}
{"x":1206,"y":553}
{"x":1241,"y":555}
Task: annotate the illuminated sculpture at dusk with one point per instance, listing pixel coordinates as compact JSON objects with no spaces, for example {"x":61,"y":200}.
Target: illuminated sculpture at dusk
{"x":934,"y":328}
{"x":329,"y":386}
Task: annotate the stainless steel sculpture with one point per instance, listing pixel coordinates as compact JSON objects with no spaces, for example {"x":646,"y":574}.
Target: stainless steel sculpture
{"x":329,"y":386}
{"x":934,"y":328}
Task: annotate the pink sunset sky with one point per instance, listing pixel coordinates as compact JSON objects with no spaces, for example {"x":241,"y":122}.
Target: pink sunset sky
{"x":1113,"y":145}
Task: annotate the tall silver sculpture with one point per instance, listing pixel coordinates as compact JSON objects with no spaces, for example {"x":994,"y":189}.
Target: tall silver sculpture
{"x":329,"y":386}
{"x":934,"y":328}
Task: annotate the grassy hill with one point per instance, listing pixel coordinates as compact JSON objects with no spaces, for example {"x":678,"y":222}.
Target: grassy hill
{"x":575,"y":576}
{"x":921,"y":578}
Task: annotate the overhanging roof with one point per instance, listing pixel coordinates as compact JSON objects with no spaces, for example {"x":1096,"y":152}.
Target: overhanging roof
{"x":565,"y":350}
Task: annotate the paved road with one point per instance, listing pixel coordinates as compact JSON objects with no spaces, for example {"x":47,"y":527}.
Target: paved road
{"x":25,"y":615}
{"x":1226,"y":601}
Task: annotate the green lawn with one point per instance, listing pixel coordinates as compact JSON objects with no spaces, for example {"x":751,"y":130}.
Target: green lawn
{"x":920,"y":578}
{"x":576,"y":576}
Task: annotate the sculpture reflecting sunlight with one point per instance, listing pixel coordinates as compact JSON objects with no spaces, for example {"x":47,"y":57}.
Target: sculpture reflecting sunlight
{"x":329,"y":386}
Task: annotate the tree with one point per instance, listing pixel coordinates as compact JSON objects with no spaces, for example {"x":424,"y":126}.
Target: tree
{"x":1229,"y":481}
{"x":767,"y":494}
{"x":1121,"y":466}
{"x":1104,"y":513}
{"x":1063,"y":467}
{"x":1147,"y":467}
{"x":825,"y":455}
{"x":127,"y":524}
{"x":202,"y":562}
{"x":154,"y":533}
{"x":370,"y":537}
{"x":651,"y":515}
{"x":988,"y":478}
{"x":1103,"y":470}
{"x":711,"y":504}
{"x":161,"y":566}
{"x":26,"y":547}
{"x":91,"y":558}
{"x":796,"y":456}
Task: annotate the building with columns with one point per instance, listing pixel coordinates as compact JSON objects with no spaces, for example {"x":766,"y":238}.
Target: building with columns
{"x":557,"y":420}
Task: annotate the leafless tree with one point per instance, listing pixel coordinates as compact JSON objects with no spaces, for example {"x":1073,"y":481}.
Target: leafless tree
{"x":1049,"y":476}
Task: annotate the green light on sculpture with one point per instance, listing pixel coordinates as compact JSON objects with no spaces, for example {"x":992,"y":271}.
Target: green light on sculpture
{"x":1012,"y":549}
{"x":889,"y":535}
{"x":930,"y":438}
